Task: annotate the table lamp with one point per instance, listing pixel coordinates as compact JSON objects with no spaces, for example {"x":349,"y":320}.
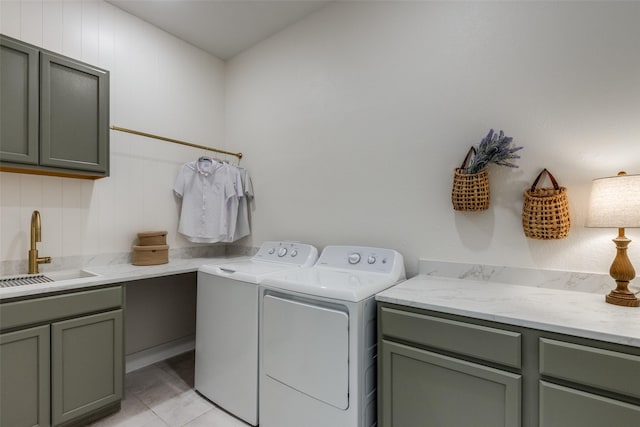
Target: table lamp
{"x":615,"y":203}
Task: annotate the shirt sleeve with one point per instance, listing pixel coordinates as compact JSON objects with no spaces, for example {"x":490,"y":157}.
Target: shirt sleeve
{"x":237,"y":180}
{"x":247,"y":184}
{"x":178,"y":187}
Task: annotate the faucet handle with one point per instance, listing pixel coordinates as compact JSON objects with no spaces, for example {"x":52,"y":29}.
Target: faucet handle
{"x":44,"y":260}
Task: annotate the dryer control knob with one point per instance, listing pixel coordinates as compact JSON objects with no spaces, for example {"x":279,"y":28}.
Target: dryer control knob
{"x":282,"y":252}
{"x":354,"y":258}
{"x":294,"y":253}
{"x":272,"y":251}
{"x":371,"y":259}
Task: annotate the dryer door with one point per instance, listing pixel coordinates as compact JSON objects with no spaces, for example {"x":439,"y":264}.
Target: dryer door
{"x":306,"y":347}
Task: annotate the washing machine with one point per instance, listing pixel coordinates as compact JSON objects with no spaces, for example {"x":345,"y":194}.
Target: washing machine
{"x":318,"y":339}
{"x":226,"y":365}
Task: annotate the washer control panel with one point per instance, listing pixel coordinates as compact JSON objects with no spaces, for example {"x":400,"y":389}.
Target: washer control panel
{"x":361,"y":258}
{"x":294,"y":253}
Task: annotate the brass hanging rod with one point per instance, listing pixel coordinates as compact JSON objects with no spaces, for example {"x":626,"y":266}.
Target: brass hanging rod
{"x":175,"y":141}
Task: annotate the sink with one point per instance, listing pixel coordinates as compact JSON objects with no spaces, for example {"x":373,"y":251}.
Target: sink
{"x":53,"y":276}
{"x":57,"y":276}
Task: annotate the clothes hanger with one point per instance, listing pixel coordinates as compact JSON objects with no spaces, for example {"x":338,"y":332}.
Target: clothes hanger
{"x":207,"y":158}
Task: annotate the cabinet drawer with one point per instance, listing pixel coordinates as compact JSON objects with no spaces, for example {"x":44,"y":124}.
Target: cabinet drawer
{"x":595,"y":367}
{"x":493,"y":345}
{"x":21,"y":313}
{"x":563,"y":407}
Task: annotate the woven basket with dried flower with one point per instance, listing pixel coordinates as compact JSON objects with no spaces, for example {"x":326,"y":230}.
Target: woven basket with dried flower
{"x":470,"y":190}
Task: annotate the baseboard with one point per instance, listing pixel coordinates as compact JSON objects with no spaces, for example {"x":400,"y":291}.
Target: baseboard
{"x":159,"y":353}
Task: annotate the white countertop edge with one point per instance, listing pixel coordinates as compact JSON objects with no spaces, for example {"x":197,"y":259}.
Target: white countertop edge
{"x":579,"y":314}
{"x":114,"y":273}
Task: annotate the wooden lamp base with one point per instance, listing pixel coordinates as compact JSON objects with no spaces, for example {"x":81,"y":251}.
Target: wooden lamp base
{"x":622,"y":272}
{"x":624,"y":299}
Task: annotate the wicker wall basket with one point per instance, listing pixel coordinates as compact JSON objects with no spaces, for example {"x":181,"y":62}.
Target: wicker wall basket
{"x":470,"y":191}
{"x":545,"y":212}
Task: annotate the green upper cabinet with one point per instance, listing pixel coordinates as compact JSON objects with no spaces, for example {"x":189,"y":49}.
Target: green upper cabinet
{"x":74,"y":114}
{"x":18,"y":102}
{"x":55,"y":113}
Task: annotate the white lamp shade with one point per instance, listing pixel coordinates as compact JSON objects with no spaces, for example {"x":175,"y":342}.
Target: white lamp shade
{"x":615,"y":202}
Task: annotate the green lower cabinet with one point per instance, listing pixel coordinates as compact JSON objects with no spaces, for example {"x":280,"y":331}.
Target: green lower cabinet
{"x":61,"y":358}
{"x":86,"y":365}
{"x":442,"y":370}
{"x":24,"y":378}
{"x":566,"y":407}
{"x":422,"y":388}
{"x":585,"y":386}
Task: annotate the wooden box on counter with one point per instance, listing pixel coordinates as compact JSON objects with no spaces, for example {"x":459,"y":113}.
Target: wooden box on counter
{"x":152,"y":248}
{"x":151,"y":238}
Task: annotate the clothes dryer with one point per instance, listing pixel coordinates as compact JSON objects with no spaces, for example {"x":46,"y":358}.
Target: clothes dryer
{"x":226,"y":366}
{"x":318,"y":342}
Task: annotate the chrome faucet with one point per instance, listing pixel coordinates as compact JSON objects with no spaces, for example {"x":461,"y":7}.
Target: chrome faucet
{"x":36,"y":236}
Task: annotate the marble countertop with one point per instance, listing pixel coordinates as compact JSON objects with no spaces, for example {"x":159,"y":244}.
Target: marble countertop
{"x":114,"y":273}
{"x":567,"y":312}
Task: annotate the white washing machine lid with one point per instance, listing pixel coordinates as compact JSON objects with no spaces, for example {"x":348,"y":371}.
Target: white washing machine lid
{"x":250,"y":271}
{"x":343,"y":285}
{"x":272,"y":257}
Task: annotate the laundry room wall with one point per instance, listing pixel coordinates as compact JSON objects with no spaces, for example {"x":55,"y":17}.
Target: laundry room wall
{"x":355,"y":118}
{"x":160,"y":85}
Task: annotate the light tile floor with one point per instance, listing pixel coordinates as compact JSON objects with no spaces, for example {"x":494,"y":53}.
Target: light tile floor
{"x":162,"y":395}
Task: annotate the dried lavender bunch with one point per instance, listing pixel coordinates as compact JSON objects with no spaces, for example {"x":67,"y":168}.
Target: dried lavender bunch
{"x":494,"y":148}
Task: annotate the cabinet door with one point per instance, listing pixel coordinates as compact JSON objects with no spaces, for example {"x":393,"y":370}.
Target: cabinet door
{"x":18,"y":102}
{"x":421,"y":388}
{"x":74,"y":115}
{"x":565,"y":407}
{"x":86,"y":364}
{"x":24,"y":373}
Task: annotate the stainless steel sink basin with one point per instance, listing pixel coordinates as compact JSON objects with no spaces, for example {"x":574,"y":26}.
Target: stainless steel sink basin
{"x":54,"y":276}
{"x":57,"y":276}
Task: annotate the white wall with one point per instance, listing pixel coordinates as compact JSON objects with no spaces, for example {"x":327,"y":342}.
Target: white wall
{"x":354,"y":119}
{"x":159,"y":84}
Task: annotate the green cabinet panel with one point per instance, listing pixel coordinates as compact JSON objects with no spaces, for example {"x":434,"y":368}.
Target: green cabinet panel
{"x":86,"y":364}
{"x":595,"y":367}
{"x":18,"y":102}
{"x":565,"y":407}
{"x":431,"y":372}
{"x":65,"y":367}
{"x":54,"y":113}
{"x":74,"y":114}
{"x":24,"y":378}
{"x":422,"y":388}
{"x":489,"y":344}
{"x":36,"y":310}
